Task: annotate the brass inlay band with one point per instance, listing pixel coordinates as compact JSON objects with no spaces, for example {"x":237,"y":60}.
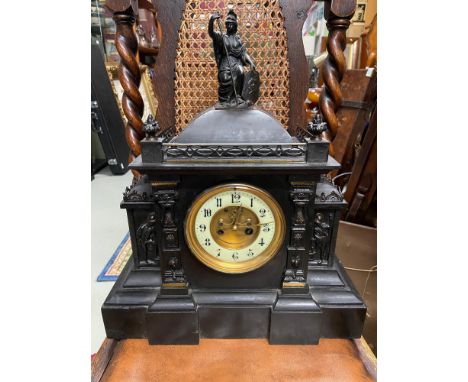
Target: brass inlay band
{"x":163,"y":183}
{"x":175,"y":285}
{"x":294,"y":284}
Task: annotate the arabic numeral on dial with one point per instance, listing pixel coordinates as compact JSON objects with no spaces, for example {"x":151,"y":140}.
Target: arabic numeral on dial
{"x":250,"y":253}
{"x":206,"y":212}
{"x":202,"y":227}
{"x":219,"y":202}
{"x":266,"y":228}
{"x":207,"y":242}
{"x":262,"y":212}
{"x":261,"y":242}
{"x":235,"y":256}
{"x":218,"y":253}
{"x":235,"y":197}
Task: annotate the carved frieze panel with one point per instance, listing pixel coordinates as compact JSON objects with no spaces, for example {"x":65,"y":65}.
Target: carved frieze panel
{"x":327,"y":192}
{"x":133,"y":194}
{"x":332,"y":196}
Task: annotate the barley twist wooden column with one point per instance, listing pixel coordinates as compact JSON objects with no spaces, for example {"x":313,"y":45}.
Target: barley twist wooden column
{"x":124,"y":12}
{"x":338,"y":14}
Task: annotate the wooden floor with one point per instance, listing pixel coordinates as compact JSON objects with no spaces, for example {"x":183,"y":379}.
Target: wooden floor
{"x":234,"y":360}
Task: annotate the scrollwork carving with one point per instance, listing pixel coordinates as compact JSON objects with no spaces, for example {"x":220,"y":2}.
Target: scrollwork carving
{"x":173,"y":151}
{"x":132,"y":194}
{"x":333,"y":196}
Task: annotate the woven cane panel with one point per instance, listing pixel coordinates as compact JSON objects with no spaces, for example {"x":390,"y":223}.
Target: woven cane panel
{"x":261,"y":28}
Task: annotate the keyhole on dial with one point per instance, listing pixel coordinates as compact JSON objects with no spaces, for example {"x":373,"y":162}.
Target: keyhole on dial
{"x":220,"y":232}
{"x":248,"y":231}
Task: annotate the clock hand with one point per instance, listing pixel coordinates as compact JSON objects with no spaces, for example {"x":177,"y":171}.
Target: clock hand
{"x":254,"y":225}
{"x":238,"y":212}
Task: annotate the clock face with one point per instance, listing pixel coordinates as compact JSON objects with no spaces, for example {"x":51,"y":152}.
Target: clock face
{"x":234,"y":228}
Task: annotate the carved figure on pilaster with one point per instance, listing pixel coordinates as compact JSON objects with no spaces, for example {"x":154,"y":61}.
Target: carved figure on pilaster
{"x":147,"y":243}
{"x":319,"y":251}
{"x":338,"y":14}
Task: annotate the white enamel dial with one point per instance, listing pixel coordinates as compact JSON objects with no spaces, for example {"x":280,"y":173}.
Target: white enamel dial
{"x":234,"y":228}
{"x":238,"y":205}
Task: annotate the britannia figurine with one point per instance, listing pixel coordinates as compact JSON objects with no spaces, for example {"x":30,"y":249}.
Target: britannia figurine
{"x":234,"y":89}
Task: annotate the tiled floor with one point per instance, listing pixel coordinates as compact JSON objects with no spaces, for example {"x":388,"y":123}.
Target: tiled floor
{"x":108,"y":227}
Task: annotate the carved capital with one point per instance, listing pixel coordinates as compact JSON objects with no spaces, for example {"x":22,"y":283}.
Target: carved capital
{"x":166,"y":198}
{"x":300,"y":197}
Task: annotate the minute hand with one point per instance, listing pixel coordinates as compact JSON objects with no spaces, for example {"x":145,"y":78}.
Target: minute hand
{"x":255,"y":225}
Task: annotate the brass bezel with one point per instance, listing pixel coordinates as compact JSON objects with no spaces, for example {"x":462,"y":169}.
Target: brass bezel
{"x":229,"y":267}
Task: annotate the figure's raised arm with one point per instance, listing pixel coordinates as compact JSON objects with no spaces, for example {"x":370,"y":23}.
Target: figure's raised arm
{"x":211,"y":30}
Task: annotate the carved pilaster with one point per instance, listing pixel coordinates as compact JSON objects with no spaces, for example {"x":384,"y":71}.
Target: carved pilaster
{"x":295,"y":277}
{"x":172,"y":272}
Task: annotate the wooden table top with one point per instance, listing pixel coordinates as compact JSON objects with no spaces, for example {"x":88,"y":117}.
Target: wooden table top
{"x":226,"y":360}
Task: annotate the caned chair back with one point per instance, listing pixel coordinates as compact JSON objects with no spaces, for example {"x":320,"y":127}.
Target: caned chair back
{"x":261,"y":28}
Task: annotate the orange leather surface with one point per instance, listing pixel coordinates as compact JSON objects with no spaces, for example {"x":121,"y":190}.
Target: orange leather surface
{"x":236,"y":360}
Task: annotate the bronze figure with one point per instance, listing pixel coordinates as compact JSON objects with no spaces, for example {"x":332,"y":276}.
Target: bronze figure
{"x":231,"y":57}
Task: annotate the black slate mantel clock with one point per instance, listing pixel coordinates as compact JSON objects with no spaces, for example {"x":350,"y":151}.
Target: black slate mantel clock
{"x":233,"y":239}
{"x":233,"y":226}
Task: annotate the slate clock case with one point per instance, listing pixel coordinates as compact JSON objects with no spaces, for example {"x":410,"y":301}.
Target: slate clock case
{"x":169,"y":294}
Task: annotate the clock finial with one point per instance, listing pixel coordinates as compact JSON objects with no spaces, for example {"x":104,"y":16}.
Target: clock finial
{"x":317,"y":126}
{"x":151,"y":127}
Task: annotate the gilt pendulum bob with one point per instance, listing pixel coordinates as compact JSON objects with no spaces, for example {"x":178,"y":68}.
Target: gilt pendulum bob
{"x":233,"y":227}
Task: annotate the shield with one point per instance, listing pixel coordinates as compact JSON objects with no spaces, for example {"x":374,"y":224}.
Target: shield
{"x":251,"y":89}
